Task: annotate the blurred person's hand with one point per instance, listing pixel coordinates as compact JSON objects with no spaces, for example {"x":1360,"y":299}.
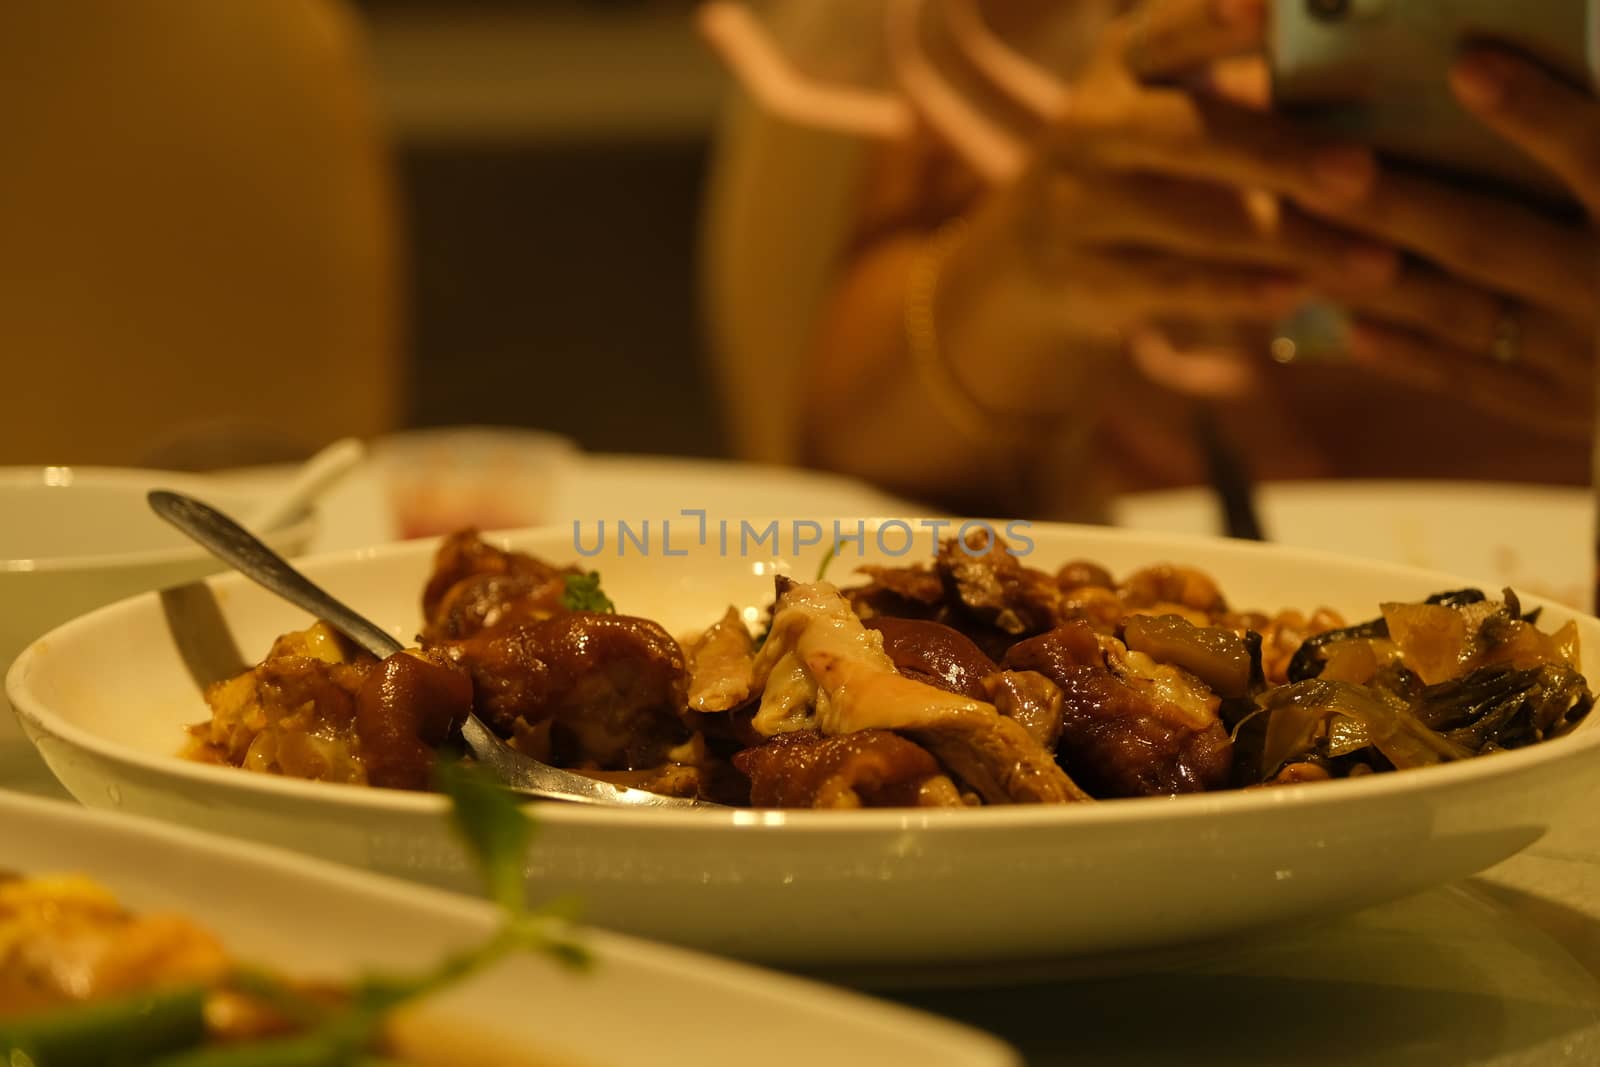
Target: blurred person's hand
{"x":1497,"y":301}
{"x":1152,"y":204}
{"x":1164,"y":214}
{"x":1168,"y":215}
{"x":1141,"y":203}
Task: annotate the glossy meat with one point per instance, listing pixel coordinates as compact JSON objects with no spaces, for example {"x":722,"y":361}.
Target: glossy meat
{"x":1033,"y":700}
{"x":475,"y":586}
{"x":407,"y":707}
{"x":1126,"y":735}
{"x":317,"y":708}
{"x":870,"y":769}
{"x":934,"y":653}
{"x":599,"y":689}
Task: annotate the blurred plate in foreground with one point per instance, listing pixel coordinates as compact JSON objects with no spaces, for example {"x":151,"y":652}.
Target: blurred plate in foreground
{"x":319,"y":921}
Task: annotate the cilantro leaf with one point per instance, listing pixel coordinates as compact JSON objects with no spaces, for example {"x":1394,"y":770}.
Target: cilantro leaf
{"x":584,"y":594}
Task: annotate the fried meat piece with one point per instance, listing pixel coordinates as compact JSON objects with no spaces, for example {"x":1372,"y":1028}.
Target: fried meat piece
{"x":66,"y":939}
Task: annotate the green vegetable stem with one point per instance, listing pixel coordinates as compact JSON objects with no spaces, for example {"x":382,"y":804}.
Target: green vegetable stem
{"x":104,"y":1033}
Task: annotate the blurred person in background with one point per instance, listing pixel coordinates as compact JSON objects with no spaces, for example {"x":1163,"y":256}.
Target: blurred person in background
{"x":198,"y":250}
{"x":1033,"y":329}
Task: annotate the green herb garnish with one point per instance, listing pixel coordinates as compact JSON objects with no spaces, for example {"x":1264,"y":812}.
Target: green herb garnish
{"x":584,"y":594}
{"x":822,"y":568}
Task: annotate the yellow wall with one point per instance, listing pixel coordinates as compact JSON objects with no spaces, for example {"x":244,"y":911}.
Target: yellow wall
{"x":198,"y":257}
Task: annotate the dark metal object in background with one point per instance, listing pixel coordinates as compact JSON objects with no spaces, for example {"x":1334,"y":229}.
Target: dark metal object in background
{"x":1230,"y":478}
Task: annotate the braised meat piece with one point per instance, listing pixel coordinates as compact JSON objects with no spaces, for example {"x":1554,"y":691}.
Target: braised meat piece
{"x":1141,"y":729}
{"x":1033,"y":700}
{"x":1183,"y":589}
{"x":934,"y":653}
{"x":293,"y":714}
{"x":319,"y":708}
{"x":993,"y":586}
{"x":945,"y":658}
{"x":407,"y":707}
{"x":476,"y":586}
{"x":1083,"y":574}
{"x":915,"y":592}
{"x":869,"y":769}
{"x":976,"y":587}
{"x":610,"y":687}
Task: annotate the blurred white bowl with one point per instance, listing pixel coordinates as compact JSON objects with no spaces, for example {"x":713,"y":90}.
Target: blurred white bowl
{"x":74,"y":538}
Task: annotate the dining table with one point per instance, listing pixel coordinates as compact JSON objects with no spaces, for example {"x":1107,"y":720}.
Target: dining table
{"x":1500,"y":969}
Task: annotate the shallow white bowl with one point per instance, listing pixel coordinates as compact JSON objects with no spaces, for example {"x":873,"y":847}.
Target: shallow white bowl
{"x":74,"y":538}
{"x":318,"y":920}
{"x":106,"y":698}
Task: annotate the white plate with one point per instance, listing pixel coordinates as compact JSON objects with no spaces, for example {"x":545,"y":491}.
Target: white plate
{"x":1536,"y":538}
{"x":323,"y":921}
{"x":106,"y":698}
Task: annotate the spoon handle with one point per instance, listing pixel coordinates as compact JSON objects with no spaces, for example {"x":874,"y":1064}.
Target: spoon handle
{"x":235,"y":545}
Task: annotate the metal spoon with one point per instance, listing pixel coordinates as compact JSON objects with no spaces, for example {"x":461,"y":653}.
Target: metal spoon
{"x":235,"y":545}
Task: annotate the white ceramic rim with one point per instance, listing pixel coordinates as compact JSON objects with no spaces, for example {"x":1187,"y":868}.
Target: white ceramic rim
{"x":303,"y":527}
{"x":861,"y":1008}
{"x":1193,"y":806}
